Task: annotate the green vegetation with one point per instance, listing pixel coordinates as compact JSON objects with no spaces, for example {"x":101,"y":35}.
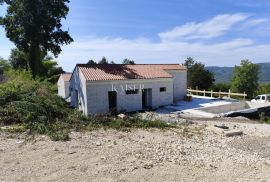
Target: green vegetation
{"x":103,"y":61}
{"x":4,"y":65}
{"x":197,"y":75}
{"x":264,"y":118}
{"x":32,"y":103}
{"x":245,"y":78}
{"x":28,"y":104}
{"x":128,"y":61}
{"x":35,"y":28}
{"x":264,"y":88}
{"x":223,"y":87}
{"x":49,"y":71}
{"x":225,"y":74}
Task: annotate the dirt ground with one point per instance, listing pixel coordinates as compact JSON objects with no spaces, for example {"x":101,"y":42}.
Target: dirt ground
{"x":190,"y":153}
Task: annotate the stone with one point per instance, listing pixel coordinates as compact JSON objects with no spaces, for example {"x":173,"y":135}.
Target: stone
{"x":98,"y":144}
{"x":233,"y":133}
{"x":122,"y":116}
{"x":216,"y":130}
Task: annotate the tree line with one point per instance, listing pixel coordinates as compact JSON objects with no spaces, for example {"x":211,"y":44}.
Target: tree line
{"x":245,"y":78}
{"x":105,"y":61}
{"x":36,"y":30}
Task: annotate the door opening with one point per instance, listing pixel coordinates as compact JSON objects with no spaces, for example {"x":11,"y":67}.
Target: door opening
{"x":112,"y":96}
{"x":147,"y":98}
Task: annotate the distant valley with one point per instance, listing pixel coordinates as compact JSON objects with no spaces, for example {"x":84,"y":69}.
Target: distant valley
{"x":224,"y":74}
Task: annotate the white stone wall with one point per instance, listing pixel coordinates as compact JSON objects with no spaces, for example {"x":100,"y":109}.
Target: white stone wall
{"x":98,"y":102}
{"x":78,"y":83}
{"x":66,"y":89}
{"x":63,"y":88}
{"x":179,"y":83}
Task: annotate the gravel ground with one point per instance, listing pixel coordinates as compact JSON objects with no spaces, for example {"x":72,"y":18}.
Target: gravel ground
{"x":190,"y":153}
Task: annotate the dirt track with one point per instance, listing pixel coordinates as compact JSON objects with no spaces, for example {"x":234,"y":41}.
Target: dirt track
{"x":188,"y":154}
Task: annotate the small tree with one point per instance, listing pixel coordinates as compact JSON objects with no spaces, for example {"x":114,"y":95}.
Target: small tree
{"x":51,"y":70}
{"x":197,"y":75}
{"x":264,"y":88}
{"x":91,"y":61}
{"x":18,"y":59}
{"x":4,"y":65}
{"x":245,"y":78}
{"x":128,"y":61}
{"x":103,"y":61}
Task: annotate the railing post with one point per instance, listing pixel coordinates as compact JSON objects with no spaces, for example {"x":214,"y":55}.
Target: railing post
{"x":211,"y":93}
{"x":244,"y":96}
{"x":204,"y":93}
{"x":219,"y":94}
{"x":229,"y":95}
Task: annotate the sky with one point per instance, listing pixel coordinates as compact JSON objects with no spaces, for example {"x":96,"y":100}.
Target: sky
{"x":214,"y":32}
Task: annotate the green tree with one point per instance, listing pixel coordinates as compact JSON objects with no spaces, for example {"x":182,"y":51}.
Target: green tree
{"x":245,"y":78}
{"x":35,"y":28}
{"x":18,"y":59}
{"x":223,"y":87}
{"x":4,"y":65}
{"x":198,"y":75}
{"x":103,"y":61}
{"x":91,"y":61}
{"x":51,"y":71}
{"x":128,"y":61}
{"x":264,"y":88}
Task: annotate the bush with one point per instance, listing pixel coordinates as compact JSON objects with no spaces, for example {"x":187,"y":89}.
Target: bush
{"x":34,"y":105}
{"x":93,"y":122}
{"x":264,"y":118}
{"x":223,"y":87}
{"x":264,"y":88}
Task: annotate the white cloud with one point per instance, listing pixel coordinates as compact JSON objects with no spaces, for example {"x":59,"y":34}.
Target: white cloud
{"x":214,"y":27}
{"x":255,"y":22}
{"x":174,"y":46}
{"x":144,"y":51}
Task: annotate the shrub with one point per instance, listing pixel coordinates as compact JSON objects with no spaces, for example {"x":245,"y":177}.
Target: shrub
{"x":223,"y":87}
{"x":35,"y":105}
{"x":264,"y":118}
{"x":264,"y":88}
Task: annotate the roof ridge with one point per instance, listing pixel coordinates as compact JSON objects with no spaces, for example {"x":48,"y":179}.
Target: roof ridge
{"x":126,"y":64}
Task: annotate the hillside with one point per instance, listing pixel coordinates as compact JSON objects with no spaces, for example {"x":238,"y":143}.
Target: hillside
{"x":224,"y":74}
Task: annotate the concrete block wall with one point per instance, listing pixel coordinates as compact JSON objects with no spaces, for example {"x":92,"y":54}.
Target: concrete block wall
{"x":63,"y":88}
{"x":179,"y":83}
{"x":225,"y":108}
{"x":78,"y":82}
{"x":98,"y":102}
{"x":66,"y":83}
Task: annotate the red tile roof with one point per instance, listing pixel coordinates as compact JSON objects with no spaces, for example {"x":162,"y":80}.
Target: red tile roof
{"x":96,"y":72}
{"x":66,"y":76}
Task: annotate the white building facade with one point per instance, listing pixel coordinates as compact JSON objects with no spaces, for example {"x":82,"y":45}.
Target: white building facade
{"x":63,"y":85}
{"x":100,"y":89}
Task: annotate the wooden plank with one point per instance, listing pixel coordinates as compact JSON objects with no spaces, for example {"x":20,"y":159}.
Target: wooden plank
{"x":190,"y":91}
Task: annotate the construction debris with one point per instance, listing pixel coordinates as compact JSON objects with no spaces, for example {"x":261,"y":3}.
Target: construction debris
{"x":230,"y":133}
{"x":224,"y":130}
{"x":122,"y":116}
{"x":222,"y":126}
